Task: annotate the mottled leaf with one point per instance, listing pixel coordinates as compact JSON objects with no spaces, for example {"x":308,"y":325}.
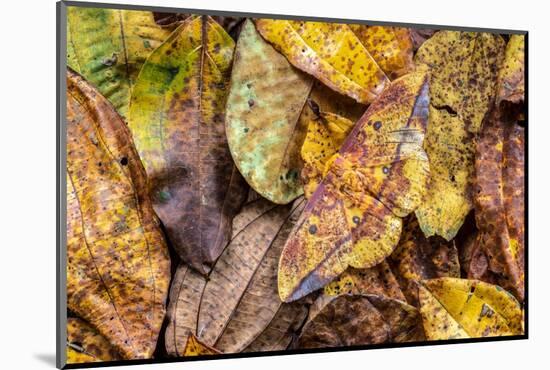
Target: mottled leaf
{"x":85,"y":344}
{"x":512,"y":72}
{"x":177,"y":119}
{"x":458,"y":308}
{"x":325,"y":135}
{"x":379,"y":175}
{"x":329,"y":51}
{"x":264,"y":128}
{"x":499,"y":200}
{"x":418,"y":258}
{"x":349,"y":320}
{"x":109,"y":46}
{"x":464,"y":68}
{"x":118,"y":267}
{"x":390,"y":47}
{"x":239,"y":301}
{"x":420,"y":35}
{"x":194,"y":347}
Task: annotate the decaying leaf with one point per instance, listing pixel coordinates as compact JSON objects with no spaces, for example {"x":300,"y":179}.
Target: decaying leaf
{"x":118,"y":267}
{"x":348,"y":320}
{"x":325,"y":135}
{"x":390,"y":47}
{"x":377,"y":280}
{"x":458,"y":308}
{"x":464,"y":67}
{"x":329,"y":51}
{"x":512,"y":72}
{"x":109,"y":46}
{"x":177,"y":120}
{"x":194,"y":347}
{"x":330,"y":101}
{"x":420,"y":35}
{"x":379,"y":175}
{"x":264,"y":127}
{"x":499,"y":200}
{"x":85,"y":344}
{"x":418,"y":258}
{"x":239,"y":302}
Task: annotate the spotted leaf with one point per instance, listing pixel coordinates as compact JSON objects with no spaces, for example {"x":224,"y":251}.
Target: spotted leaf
{"x":379,"y":175}
{"x":330,"y":52}
{"x":177,"y":120}
{"x":85,"y":344}
{"x":512,"y":72}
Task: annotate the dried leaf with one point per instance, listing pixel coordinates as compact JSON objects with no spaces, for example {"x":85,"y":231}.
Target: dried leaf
{"x":512,"y":72}
{"x":420,"y":35}
{"x":330,"y":101}
{"x":379,"y":175}
{"x":194,"y":347}
{"x":499,"y":200}
{"x":239,"y":302}
{"x":349,"y":320}
{"x":109,"y":46}
{"x":331,"y":52}
{"x":177,"y":119}
{"x":459,"y":308}
{"x":325,"y":135}
{"x":418,"y":258}
{"x":464,"y":72}
{"x":85,"y":344}
{"x":118,"y":267}
{"x":264,"y":128}
{"x":390,"y":47}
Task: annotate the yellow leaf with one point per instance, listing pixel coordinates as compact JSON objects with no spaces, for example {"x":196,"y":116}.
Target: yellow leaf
{"x":109,"y":46}
{"x":458,"y":308}
{"x":331,"y":52}
{"x":464,"y":67}
{"x":391,"y":47}
{"x":379,"y":175}
{"x":194,"y":347}
{"x":85,"y":344}
{"x":325,"y":135}
{"x":512,"y":72}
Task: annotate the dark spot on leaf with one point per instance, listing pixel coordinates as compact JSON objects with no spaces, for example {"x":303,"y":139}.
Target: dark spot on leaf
{"x":124,"y":161}
{"x":377,"y":125}
{"x":356,"y":220}
{"x":313,"y":229}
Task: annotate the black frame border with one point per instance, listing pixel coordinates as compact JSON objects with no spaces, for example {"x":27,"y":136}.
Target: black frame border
{"x":61,"y":235}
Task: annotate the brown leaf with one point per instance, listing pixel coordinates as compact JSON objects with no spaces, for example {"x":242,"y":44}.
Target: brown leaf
{"x":419,"y":35}
{"x":499,"y":199}
{"x":239,"y":302}
{"x":419,"y":258}
{"x":118,"y":267}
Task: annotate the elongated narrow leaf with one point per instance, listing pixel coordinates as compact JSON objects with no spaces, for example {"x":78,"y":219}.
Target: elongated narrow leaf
{"x":379,"y":175}
{"x":499,"y":200}
{"x":85,"y":344}
{"x":329,"y":51}
{"x":109,"y":46}
{"x":464,"y":67}
{"x":459,"y":308}
{"x":348,"y":320}
{"x":418,"y":258}
{"x":177,"y":119}
{"x":118,"y":267}
{"x":512,"y":72}
{"x":239,"y":301}
{"x":264,"y":128}
{"x":390,"y":47}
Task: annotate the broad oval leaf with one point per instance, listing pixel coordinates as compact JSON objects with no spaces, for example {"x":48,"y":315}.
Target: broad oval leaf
{"x":239,"y":302}
{"x":379,"y":175}
{"x":85,"y":344}
{"x":512,"y":72}
{"x":499,"y":200}
{"x":418,"y":258}
{"x":118,"y":266}
{"x":464,"y":68}
{"x":109,"y":46}
{"x":349,"y":320}
{"x":390,"y":47}
{"x":263,"y":123}
{"x":329,"y":51}
{"x":177,"y":119}
{"x":458,"y":308}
